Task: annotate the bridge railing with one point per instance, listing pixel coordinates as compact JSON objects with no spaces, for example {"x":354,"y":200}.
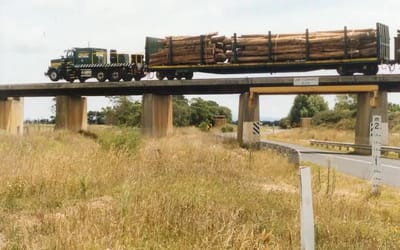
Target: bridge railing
{"x":385,"y":150}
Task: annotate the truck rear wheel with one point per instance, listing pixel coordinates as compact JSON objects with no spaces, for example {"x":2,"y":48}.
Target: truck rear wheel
{"x":115,"y":76}
{"x":53,"y":75}
{"x":127,"y":78}
{"x":100,"y":76}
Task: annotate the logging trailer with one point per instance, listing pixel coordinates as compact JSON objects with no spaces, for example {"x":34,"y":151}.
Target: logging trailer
{"x":342,"y":56}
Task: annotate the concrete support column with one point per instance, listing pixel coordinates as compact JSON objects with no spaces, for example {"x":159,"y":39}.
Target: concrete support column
{"x":71,"y":113}
{"x":249,"y":111}
{"x":157,"y":118}
{"x":12,"y":115}
{"x":364,"y":116}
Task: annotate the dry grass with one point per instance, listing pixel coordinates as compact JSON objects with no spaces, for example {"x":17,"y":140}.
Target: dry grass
{"x":189,"y":191}
{"x":303,"y":135}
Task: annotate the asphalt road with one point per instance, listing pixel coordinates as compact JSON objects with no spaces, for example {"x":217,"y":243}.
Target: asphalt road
{"x":354,"y":165}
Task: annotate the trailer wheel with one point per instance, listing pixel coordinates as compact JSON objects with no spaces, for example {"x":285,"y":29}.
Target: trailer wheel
{"x":115,"y":76}
{"x":189,"y":75}
{"x":170,"y":78}
{"x":100,"y":76}
{"x":160,"y":76}
{"x":371,"y":69}
{"x":82,"y":80}
{"x":344,"y":71}
{"x":53,"y":75}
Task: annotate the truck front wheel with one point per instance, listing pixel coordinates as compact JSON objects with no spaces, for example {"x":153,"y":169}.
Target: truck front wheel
{"x":53,"y":75}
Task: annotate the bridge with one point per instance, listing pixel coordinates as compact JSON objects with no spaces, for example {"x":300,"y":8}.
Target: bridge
{"x":157,"y":98}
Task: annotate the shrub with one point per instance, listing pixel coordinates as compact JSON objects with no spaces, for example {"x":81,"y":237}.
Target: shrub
{"x":122,"y":138}
{"x":331,"y":117}
{"x":227,"y":129}
{"x":204,"y":126}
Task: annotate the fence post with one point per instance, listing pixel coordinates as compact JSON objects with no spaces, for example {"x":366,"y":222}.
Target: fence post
{"x":306,"y":210}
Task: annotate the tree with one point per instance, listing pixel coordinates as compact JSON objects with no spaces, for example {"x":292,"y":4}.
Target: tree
{"x":181,"y":111}
{"x":346,"y":103}
{"x":123,"y":112}
{"x":393,"y":107}
{"x":306,"y":106}
{"x":96,"y":117}
{"x":205,"y":111}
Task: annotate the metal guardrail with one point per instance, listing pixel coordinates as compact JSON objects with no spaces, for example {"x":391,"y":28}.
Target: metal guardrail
{"x":385,"y":150}
{"x":293,"y":155}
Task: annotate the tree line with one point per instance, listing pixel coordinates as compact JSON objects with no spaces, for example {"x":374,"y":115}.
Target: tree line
{"x":185,"y":112}
{"x":341,"y":116}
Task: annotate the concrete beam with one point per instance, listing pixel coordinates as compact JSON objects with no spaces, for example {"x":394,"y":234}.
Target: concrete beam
{"x":364,"y":115}
{"x":12,"y":115}
{"x":157,"y":118}
{"x":249,"y":111}
{"x":71,"y":113}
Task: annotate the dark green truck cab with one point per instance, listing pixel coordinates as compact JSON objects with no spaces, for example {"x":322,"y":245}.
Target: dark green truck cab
{"x":85,"y":63}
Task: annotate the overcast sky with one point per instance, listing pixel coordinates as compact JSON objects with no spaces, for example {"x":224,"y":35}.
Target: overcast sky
{"x":33,"y":32}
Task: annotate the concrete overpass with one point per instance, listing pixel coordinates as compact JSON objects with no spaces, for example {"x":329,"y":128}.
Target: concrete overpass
{"x":157,"y":101}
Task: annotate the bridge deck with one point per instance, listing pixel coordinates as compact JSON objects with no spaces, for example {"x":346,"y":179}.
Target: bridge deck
{"x":389,"y":82}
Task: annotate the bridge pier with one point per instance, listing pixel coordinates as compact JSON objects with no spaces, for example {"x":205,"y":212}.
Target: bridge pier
{"x":157,"y":118}
{"x":367,"y":106}
{"x":71,"y":113}
{"x":12,"y":115}
{"x":249,"y":111}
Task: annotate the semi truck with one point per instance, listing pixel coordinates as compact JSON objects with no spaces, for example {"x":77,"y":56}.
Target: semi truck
{"x":85,"y":63}
{"x":347,"y":51}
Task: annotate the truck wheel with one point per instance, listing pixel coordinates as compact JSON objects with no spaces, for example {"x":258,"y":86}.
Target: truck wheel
{"x":138,"y":78}
{"x":127,"y":78}
{"x":82,"y":80}
{"x":115,"y":76}
{"x":100,"y":76}
{"x":53,"y":75}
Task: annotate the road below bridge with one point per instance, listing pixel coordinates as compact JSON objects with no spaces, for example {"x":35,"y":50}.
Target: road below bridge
{"x":355,"y":165}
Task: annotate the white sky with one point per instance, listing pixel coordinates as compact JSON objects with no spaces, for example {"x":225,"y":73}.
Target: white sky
{"x":33,"y":32}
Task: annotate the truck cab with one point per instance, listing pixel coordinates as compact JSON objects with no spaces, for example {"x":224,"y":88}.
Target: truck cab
{"x":85,"y":63}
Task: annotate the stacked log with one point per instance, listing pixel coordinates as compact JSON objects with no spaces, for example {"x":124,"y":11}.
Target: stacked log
{"x":205,"y":49}
{"x":323,"y":45}
{"x":255,"y":48}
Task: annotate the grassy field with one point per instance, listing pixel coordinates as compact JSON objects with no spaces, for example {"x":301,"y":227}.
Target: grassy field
{"x":303,"y":135}
{"x":116,"y":190}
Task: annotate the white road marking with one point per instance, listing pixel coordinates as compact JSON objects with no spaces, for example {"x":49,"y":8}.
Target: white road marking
{"x":361,"y":161}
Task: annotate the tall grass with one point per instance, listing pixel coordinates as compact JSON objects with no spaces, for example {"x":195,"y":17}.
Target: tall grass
{"x":66,"y":191}
{"x":303,"y":135}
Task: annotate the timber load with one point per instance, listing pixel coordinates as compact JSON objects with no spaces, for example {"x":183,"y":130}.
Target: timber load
{"x":264,"y":48}
{"x":324,"y":45}
{"x":203,"y":49}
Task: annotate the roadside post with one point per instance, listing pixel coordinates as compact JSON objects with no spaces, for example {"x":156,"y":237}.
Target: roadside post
{"x":376,"y":143}
{"x":306,"y":210}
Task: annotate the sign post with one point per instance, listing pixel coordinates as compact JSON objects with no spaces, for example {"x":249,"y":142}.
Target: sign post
{"x":376,"y":142}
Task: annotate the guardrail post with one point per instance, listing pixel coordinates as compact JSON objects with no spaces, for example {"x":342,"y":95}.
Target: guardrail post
{"x":306,"y":210}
